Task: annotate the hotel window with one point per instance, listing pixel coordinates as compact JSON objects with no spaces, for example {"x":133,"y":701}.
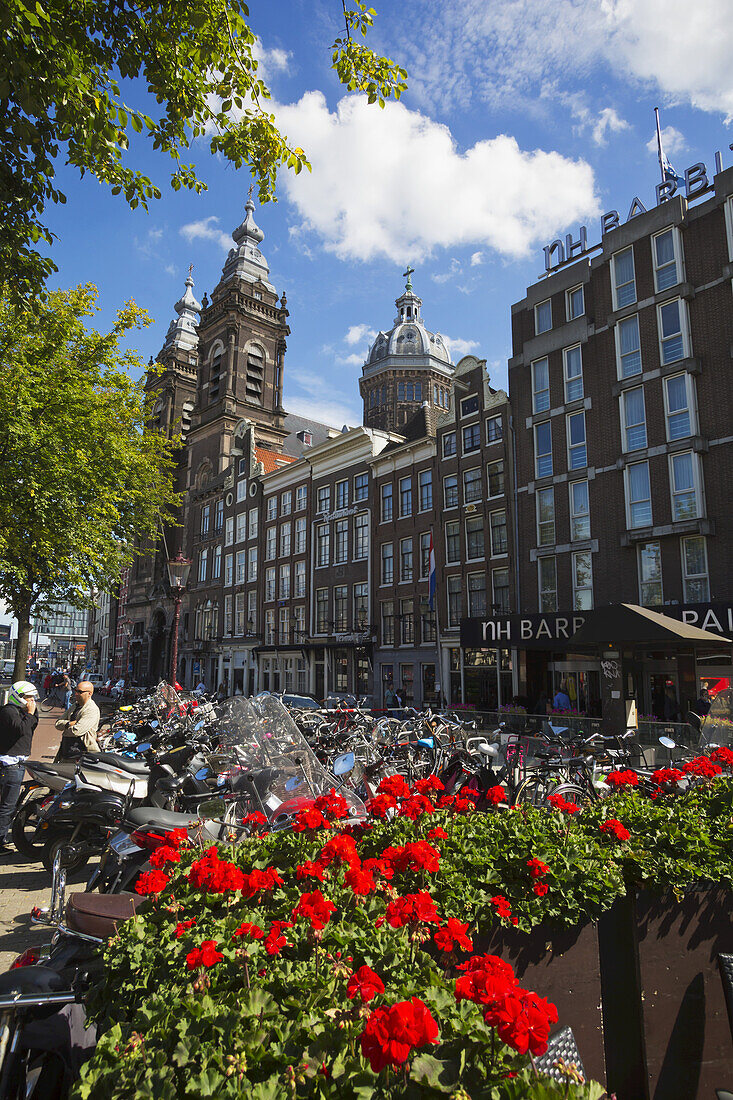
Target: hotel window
{"x":285,"y":582}
{"x":271,"y":508}
{"x":229,"y":531}
{"x":342,"y":494}
{"x":633,"y":419}
{"x":450,"y":491}
{"x":582,"y":566}
{"x":270,"y":626}
{"x":301,"y":497}
{"x":495,"y":478}
{"x":638,"y":495}
{"x":424,"y":555}
{"x":387,"y":563}
{"x":494,"y":429}
{"x":455,"y":602}
{"x":407,"y":622}
{"x":253,"y":522}
{"x":203,"y":561}
{"x":425,"y":479}
{"x":271,"y":543}
{"x":286,"y":503}
{"x":284,"y":629}
{"x":475,"y":548}
{"x":216,"y":564}
{"x":219,"y":517}
{"x":574,"y":303}
{"x":500,"y":586}
{"x":672,"y":340}
{"x":361,"y":606}
{"x":299,"y":536}
{"x":341,"y":540}
{"x":677,"y":405}
{"x":252,"y":611}
{"x":361,"y":487}
{"x":543,"y":449}
{"x":473,"y":489}
{"x":624,"y":281}
{"x":321,"y":610}
{"x":577,"y":454}
{"x":299,"y":579}
{"x":449,"y":444}
{"x":540,"y":386}
{"x":241,"y":527}
{"x":684,"y":482}
{"x":361,"y":536}
{"x":241,"y":491}
{"x":239,"y":624}
{"x":573,"y":366}
{"x":251,"y":563}
{"x":650,"y":574}
{"x":628,"y":347}
{"x":499,"y":541}
{"x":285,"y":531}
{"x":579,"y":511}
{"x":324,"y":499}
{"x":386,"y":499}
{"x":228,"y":623}
{"x":665,"y":249}
{"x":471,"y":438}
{"x":542,"y":317}
{"x":476,"y":588}
{"x":387,"y":615}
{"x":299,"y":624}
{"x":453,"y":543}
{"x":323,"y":544}
{"x":547,"y":572}
{"x":341,"y":608}
{"x":405,"y":496}
{"x":228,"y":570}
{"x":270,"y":590}
{"x":545,"y":504}
{"x":205,"y":520}
{"x":695,"y":570}
{"x":406,"y":568}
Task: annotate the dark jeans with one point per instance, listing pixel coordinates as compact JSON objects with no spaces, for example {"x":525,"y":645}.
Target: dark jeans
{"x":11,"y":780}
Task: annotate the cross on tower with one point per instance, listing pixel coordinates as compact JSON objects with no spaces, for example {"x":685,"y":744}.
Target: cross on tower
{"x":408,"y":275}
{"x":251,"y":189}
{"x":190,"y":268}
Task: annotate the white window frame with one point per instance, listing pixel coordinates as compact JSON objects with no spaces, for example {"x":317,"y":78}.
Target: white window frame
{"x":360,"y":492}
{"x":340,"y":541}
{"x":507,"y":586}
{"x":252,"y":609}
{"x":446,"y":505}
{"x":240,"y":570}
{"x":684,"y":331}
{"x":300,"y":580}
{"x":691,"y":578}
{"x":361,"y":523}
{"x":301,"y":497}
{"x":271,"y":544}
{"x":341,"y":488}
{"x":241,"y":491}
{"x":405,"y":481}
{"x":499,"y":438}
{"x":228,"y":570}
{"x":624,"y":423}
{"x":617,"y":338}
{"x":537,"y":456}
{"x":498,"y":553}
{"x":323,"y":500}
{"x":479,"y":521}
{"x":241,"y":527}
{"x":407,"y":553}
{"x":577,"y":588}
{"x":679,"y":267}
{"x":691,"y":395}
{"x":569,"y":380}
{"x":301,"y":536}
{"x":286,"y":502}
{"x":630,"y":526}
{"x":472,"y":397}
{"x":203,"y":564}
{"x":271,"y":506}
{"x":474,"y":612}
{"x":489,"y":494}
{"x":569,"y":313}
{"x":545,"y":523}
{"x":579,"y":516}
{"x":385,"y":556}
{"x":252,"y":563}
{"x":639,"y":550}
{"x":475,"y":429}
{"x":538,"y":393}
{"x":614,"y":285}
{"x":253,"y":523}
{"x":576,"y":446}
{"x":540,"y":591}
{"x":697,"y":487}
{"x":383,"y":496}
{"x":449,"y":435}
{"x":323,"y":542}
{"x":286,"y":539}
{"x":425,"y":480}
{"x":270,"y":584}
{"x":476,"y":497}
{"x":229,"y":531}
{"x":537,"y":330}
{"x":284,"y":581}
{"x":216,"y":564}
{"x":454,"y":582}
{"x":456,"y":534}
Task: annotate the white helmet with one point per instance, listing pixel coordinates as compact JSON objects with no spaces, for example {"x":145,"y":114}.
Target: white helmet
{"x":20,"y":690}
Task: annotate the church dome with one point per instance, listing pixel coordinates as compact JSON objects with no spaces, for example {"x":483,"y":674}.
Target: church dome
{"x":408,"y":337}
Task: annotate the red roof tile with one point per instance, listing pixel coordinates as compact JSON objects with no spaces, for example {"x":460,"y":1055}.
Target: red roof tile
{"x":272,"y":460}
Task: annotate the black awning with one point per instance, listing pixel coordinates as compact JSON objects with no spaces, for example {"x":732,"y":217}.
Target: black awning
{"x":630,"y":624}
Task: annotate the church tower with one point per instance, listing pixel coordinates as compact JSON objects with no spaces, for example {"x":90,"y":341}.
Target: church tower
{"x":406,"y":367}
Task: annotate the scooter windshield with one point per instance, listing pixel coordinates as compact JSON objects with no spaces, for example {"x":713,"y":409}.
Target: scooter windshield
{"x":259,"y":733}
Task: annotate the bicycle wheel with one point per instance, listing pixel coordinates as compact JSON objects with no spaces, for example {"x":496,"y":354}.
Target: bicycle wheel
{"x":571,"y":792}
{"x":534,"y":790}
{"x":47,"y":704}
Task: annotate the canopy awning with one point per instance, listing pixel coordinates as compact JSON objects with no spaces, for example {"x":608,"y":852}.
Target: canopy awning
{"x":630,"y":624}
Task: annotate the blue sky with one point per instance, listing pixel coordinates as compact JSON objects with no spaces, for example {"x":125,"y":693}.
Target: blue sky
{"x":523,"y":119}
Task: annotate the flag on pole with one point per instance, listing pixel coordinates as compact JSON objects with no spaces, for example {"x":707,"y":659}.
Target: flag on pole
{"x":432,"y":578}
{"x":665,"y":167}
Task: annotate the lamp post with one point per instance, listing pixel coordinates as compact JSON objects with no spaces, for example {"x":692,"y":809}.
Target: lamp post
{"x":178,"y":570}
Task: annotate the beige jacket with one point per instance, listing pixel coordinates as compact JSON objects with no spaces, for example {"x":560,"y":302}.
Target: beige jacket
{"x":86,"y":723}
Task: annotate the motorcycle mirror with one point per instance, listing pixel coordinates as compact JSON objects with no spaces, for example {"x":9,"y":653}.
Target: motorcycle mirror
{"x":144,"y":747}
{"x":667,"y":742}
{"x":202,"y":773}
{"x":293,"y":783}
{"x":154,"y":724}
{"x":198,"y":726}
{"x":343,"y":764}
{"x":213,"y":807}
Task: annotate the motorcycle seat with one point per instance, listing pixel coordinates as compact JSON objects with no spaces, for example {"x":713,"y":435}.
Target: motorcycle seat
{"x":99,"y":914}
{"x":31,"y":979}
{"x":166,"y":819}
{"x":122,"y":762}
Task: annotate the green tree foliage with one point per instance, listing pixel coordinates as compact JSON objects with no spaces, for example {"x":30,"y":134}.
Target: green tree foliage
{"x":63,"y":67}
{"x":82,"y":479}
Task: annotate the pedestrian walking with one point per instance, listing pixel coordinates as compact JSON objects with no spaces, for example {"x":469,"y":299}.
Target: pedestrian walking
{"x":79,"y":724}
{"x":18,"y":720}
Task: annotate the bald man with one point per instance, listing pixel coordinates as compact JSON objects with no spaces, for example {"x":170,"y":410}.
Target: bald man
{"x":80,"y":723}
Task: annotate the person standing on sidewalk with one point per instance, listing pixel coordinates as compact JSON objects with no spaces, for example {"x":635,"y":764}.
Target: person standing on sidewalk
{"x":79,"y":724}
{"x":18,"y":720}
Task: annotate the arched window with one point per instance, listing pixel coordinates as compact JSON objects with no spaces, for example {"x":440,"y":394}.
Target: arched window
{"x":216,"y":360}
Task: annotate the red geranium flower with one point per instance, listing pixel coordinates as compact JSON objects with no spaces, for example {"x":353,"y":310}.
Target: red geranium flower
{"x":453,"y":932}
{"x":537,"y":868}
{"x":315,"y":908}
{"x":432,"y":783}
{"x":523,"y":1020}
{"x":486,"y":979}
{"x":559,"y":803}
{"x":613,"y":827}
{"x":667,"y":775}
{"x":275,"y":940}
{"x":164,"y":854}
{"x":341,"y":847}
{"x":502,"y":906}
{"x":332,"y":805}
{"x":257,"y":819}
{"x":308,"y":869}
{"x":620,"y":779}
{"x":205,"y":955}
{"x":258,"y":880}
{"x":392,"y":1032}
{"x":252,"y":931}
{"x":215,"y":875}
{"x":394,"y":785}
{"x":182,"y":927}
{"x":416,"y":855}
{"x":379,"y":806}
{"x":702,"y":765}
{"x":175,"y":837}
{"x":412,"y":909}
{"x":360,"y":881}
{"x":415,"y":806}
{"x":540,"y":889}
{"x":309,"y":819}
{"x":496,"y":795}
{"x":364,"y":983}
{"x":437,"y":834}
{"x":151,"y":882}
{"x":723,"y":756}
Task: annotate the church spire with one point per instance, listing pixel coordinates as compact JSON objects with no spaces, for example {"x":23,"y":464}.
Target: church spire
{"x":182,"y":333}
{"x":246,"y":260}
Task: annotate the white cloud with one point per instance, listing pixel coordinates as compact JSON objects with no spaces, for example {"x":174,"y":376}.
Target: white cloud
{"x":270,"y":61}
{"x":359,"y":334}
{"x":205,"y":230}
{"x":672,"y":141}
{"x":350,"y":360}
{"x":685,"y":52}
{"x":459,"y":347}
{"x":170,"y":269}
{"x":149,"y":244}
{"x":446,"y":276}
{"x":477,"y":258}
{"x":608,"y":120}
{"x":362,"y":201}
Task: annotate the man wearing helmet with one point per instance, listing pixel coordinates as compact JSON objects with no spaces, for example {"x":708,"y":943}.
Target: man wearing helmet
{"x":18,"y":720}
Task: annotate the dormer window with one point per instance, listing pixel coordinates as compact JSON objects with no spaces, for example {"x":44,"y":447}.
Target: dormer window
{"x":306,"y":438}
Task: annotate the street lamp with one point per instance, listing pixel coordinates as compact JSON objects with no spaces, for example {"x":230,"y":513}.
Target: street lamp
{"x":178,"y":570}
